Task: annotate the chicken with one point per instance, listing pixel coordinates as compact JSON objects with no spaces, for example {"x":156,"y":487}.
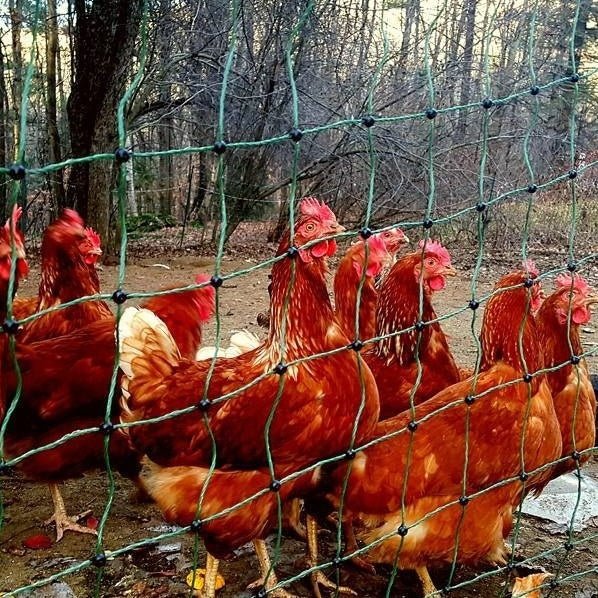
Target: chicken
{"x":9,"y":235}
{"x":393,"y":359}
{"x":381,"y":249}
{"x":559,"y":319}
{"x":432,"y":487}
{"x":271,"y":411}
{"x":529,"y":586}
{"x":23,"y":307}
{"x":69,"y":254}
{"x":66,"y":382}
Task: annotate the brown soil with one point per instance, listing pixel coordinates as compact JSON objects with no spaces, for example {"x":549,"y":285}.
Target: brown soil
{"x":153,"y":571}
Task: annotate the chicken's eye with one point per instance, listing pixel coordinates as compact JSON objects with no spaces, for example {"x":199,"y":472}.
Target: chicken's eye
{"x":430,"y":262}
{"x":310,"y":227}
{"x":387,"y":234}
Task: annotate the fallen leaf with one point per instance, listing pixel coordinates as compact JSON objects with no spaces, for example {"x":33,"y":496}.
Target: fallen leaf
{"x":196,"y":579}
{"x":37,"y":542}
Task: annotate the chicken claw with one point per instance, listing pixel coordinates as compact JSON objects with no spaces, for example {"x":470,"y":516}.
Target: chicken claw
{"x":267,"y":577}
{"x":317,"y":577}
{"x":62,"y":521}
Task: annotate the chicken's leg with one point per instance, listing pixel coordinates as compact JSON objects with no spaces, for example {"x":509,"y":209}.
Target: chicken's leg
{"x":351,"y":546}
{"x":210,"y":577}
{"x":267,"y":577}
{"x":292,"y":518}
{"x":317,"y":577}
{"x":62,"y":521}
{"x":427,"y":583}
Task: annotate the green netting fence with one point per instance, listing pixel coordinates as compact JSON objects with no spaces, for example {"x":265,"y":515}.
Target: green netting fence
{"x":566,"y":196}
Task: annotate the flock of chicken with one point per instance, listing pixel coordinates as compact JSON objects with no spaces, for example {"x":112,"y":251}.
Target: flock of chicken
{"x":359,"y":410}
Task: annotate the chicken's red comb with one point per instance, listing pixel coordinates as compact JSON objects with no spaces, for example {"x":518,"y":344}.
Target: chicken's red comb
{"x":566,"y":281}
{"x":311,"y":206}
{"x":11,"y":225}
{"x":438,"y":249}
{"x":529,"y":266}
{"x":93,"y":237}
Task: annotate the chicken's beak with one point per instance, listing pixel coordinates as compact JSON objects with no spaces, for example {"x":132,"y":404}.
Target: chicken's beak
{"x":449,"y":271}
{"x":406,"y":239}
{"x":337,"y":228}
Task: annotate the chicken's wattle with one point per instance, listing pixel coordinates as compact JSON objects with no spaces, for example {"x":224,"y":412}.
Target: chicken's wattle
{"x":437,"y":283}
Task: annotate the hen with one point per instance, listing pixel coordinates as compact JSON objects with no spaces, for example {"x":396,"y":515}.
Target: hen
{"x":559,"y":319}
{"x":393,"y":359}
{"x":9,"y":235}
{"x":435,"y":488}
{"x":276,"y":402}
{"x":66,"y":382}
{"x":68,"y":272}
{"x":381,"y":249}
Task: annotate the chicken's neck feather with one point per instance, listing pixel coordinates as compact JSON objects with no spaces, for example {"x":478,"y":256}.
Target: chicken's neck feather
{"x":346,"y":285}
{"x":304,"y":313}
{"x":63,"y":281}
{"x":553,"y":334}
{"x":398,"y":308}
{"x":504,"y":316}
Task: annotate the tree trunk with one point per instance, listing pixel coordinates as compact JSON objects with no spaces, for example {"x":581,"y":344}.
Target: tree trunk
{"x":4,"y":141}
{"x":16,"y":22}
{"x":468,"y":16}
{"x":105,"y":33}
{"x":54,"y":153}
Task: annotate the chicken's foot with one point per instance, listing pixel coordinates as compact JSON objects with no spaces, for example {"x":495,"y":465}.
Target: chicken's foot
{"x":427,"y":583}
{"x":62,"y":521}
{"x":267,"y":577}
{"x":352,"y":546}
{"x":292,"y":518}
{"x":210,"y":578}
{"x":317,"y":577}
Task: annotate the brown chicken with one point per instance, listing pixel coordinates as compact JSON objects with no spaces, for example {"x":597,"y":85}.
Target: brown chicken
{"x":393,"y":359}
{"x":23,"y":307}
{"x":448,"y":454}
{"x":347,"y":281}
{"x":66,"y":382}
{"x":9,"y":235}
{"x":276,"y":400}
{"x":559,"y":319}
{"x":69,"y":254}
{"x":530,"y":586}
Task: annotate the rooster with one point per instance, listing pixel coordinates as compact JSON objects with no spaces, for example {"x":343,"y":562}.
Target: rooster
{"x":393,"y":359}
{"x":413,"y":476}
{"x":66,"y":381}
{"x":309,"y":408}
{"x":381,"y":249}
{"x":559,"y":319}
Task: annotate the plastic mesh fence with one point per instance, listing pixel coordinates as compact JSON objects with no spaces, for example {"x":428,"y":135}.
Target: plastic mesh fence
{"x":429,"y":219}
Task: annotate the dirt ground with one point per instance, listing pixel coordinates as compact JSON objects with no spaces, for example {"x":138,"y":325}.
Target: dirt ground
{"x":160,"y":570}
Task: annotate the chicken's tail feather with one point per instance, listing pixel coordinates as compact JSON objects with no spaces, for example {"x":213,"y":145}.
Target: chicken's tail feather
{"x":147,"y":354}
